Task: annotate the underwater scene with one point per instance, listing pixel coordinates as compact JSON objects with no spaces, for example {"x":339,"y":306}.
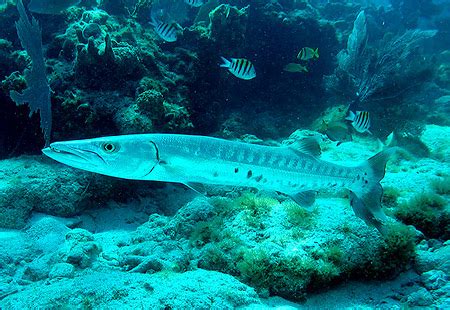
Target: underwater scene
{"x":224,"y":154}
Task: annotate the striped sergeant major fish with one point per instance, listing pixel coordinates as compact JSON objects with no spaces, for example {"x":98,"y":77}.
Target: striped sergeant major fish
{"x":194,"y":3}
{"x":239,"y":67}
{"x":360,"y":121}
{"x":166,"y":31}
{"x":194,"y":160}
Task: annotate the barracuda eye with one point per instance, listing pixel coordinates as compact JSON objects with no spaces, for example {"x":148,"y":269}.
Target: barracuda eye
{"x":110,"y":147}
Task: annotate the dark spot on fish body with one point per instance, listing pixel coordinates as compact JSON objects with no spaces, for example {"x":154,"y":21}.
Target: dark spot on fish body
{"x":365,"y":181}
{"x":249,"y":174}
{"x":258,"y":178}
{"x":358,"y":177}
{"x":236,"y":170}
{"x":215,"y":174}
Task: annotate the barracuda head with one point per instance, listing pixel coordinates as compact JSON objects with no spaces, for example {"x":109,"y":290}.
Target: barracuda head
{"x":128,"y":157}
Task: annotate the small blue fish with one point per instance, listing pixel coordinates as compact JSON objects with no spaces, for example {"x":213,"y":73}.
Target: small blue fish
{"x":194,"y":3}
{"x":239,"y":67}
{"x":360,"y":121}
{"x":166,"y":31}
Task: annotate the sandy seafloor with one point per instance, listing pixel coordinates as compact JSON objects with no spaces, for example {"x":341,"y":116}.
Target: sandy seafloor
{"x":125,"y":256}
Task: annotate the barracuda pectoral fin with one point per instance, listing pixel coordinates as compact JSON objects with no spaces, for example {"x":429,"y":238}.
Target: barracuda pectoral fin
{"x":368,"y":208}
{"x":305,"y":199}
{"x":366,"y":200}
{"x":308,"y":145}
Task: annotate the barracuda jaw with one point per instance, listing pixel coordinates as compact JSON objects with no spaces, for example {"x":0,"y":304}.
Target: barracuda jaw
{"x":73,"y":156}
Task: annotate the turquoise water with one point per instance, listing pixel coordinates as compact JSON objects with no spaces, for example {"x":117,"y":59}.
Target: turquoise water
{"x":284,"y":209}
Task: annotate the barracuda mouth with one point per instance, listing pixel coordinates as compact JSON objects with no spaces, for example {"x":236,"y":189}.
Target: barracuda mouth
{"x":73,"y":156}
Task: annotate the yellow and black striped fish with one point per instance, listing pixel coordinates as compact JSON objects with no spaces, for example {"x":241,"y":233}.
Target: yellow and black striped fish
{"x":308,"y":53}
{"x":240,"y":67}
{"x":360,"y":121}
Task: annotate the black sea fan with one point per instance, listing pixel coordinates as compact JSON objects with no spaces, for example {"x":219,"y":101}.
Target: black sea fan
{"x":368,"y":73}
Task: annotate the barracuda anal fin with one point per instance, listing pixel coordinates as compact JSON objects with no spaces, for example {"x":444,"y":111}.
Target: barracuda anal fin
{"x":305,"y":199}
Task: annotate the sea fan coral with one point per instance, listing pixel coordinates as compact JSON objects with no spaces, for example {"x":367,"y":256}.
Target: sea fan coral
{"x":37,"y":95}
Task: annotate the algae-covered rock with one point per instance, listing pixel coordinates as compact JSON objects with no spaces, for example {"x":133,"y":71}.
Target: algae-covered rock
{"x":129,"y":120}
{"x":80,"y":248}
{"x":199,"y":289}
{"x":151,"y":103}
{"x":33,"y":184}
{"x":436,"y":139}
{"x":62,"y":270}
{"x":104,"y":67}
{"x":228,"y":24}
{"x":281,"y":249}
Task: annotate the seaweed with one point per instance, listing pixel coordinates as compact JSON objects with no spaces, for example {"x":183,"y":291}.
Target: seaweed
{"x":427,"y":213}
{"x":394,"y":255}
{"x":296,"y":215}
{"x":441,"y":185}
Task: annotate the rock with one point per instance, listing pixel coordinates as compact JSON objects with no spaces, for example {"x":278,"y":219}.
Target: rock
{"x":434,"y":279}
{"x":38,"y":269}
{"x":151,"y":103}
{"x":62,"y":270}
{"x":420,"y":298}
{"x":443,"y":100}
{"x":197,"y":289}
{"x":47,"y":233}
{"x":188,"y":216}
{"x":104,"y":66}
{"x":130,"y":120}
{"x":433,"y":260}
{"x":436,"y":139}
{"x":80,"y":248}
{"x":37,"y":184}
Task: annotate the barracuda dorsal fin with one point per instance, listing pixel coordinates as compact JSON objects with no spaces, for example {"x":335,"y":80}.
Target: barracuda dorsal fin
{"x":308,"y":145}
{"x":305,"y":199}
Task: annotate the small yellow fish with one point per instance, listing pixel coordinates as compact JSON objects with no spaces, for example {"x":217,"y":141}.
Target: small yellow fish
{"x":308,"y":53}
{"x":293,"y":67}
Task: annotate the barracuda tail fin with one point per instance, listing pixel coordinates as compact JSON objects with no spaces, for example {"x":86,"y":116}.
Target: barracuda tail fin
{"x":366,"y":200}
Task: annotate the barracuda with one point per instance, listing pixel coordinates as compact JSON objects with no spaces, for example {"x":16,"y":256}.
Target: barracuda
{"x":193,"y":160}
